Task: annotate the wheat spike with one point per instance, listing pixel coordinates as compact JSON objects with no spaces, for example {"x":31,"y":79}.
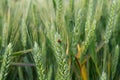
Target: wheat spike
{"x":7,"y":58}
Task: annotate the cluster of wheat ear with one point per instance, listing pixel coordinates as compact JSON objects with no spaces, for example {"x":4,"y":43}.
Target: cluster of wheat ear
{"x":59,"y":40}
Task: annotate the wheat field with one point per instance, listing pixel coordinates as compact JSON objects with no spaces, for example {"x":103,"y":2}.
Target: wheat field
{"x":59,"y":39}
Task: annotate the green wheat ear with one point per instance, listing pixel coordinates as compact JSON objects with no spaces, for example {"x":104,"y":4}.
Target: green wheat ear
{"x":23,"y":33}
{"x":60,"y":18}
{"x":59,"y":13}
{"x":103,"y":76}
{"x":90,"y":36}
{"x":4,"y":34}
{"x":37,"y":55}
{"x":63,"y":72}
{"x":24,"y":26}
{"x":115,"y":59}
{"x":89,"y":28}
{"x":76,"y":31}
{"x":6,"y":62}
{"x":110,"y":24}
{"x":89,"y":18}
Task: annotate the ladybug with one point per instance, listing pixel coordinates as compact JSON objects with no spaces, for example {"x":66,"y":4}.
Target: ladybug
{"x":59,"y":41}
